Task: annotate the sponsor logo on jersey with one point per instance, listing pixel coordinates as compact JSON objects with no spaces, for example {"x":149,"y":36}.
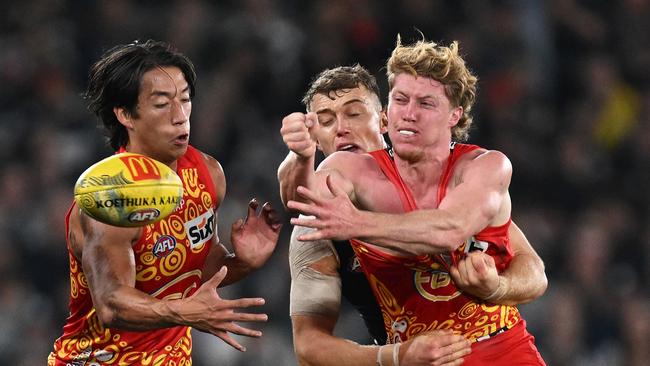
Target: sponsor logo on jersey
{"x":144,"y":215}
{"x":164,"y":246}
{"x":141,"y":167}
{"x":200,"y":229}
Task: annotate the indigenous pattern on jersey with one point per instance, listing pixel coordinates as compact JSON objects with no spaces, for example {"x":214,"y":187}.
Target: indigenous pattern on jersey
{"x":356,"y":290}
{"x":416,"y":294}
{"x":169,"y":258}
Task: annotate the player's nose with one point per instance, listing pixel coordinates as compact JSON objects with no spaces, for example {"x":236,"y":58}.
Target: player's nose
{"x":342,"y":126}
{"x":180,"y":112}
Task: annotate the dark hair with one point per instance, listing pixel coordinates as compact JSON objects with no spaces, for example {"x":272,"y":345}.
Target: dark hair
{"x":343,"y":77}
{"x":115,"y":80}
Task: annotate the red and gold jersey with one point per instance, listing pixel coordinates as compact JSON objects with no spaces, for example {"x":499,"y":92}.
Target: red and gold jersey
{"x":169,"y":258}
{"x":416,"y":294}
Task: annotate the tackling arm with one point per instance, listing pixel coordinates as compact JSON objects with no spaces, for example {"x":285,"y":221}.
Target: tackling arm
{"x":294,"y":171}
{"x":315,"y":302}
{"x":480,"y":200}
{"x":522,"y":281}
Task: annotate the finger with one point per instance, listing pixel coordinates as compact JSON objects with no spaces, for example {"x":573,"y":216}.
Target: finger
{"x":248,"y":317}
{"x":239,"y":330}
{"x":489,"y":262}
{"x":455,"y":352}
{"x":229,"y":340}
{"x":308,"y":194}
{"x":252,"y":208}
{"x":462,"y":270}
{"x":271,"y":217}
{"x":313,"y":236}
{"x":237,"y":225}
{"x":244,"y":302}
{"x":298,"y":137}
{"x":311,"y":119}
{"x":305,"y":208}
{"x":336,"y":190}
{"x":217,"y":278}
{"x":305,"y":222}
{"x":455,"y":276}
{"x":293,"y":122}
{"x":478,"y":264}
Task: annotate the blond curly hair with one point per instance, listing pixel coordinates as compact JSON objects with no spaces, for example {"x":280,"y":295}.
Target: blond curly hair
{"x":443,"y":64}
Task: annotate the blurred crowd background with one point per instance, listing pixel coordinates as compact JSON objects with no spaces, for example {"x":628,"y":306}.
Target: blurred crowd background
{"x":564,"y":91}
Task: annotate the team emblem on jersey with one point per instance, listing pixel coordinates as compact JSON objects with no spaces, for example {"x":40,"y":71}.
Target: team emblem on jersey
{"x":435,"y":285}
{"x":164,"y":246}
{"x":200,"y":229}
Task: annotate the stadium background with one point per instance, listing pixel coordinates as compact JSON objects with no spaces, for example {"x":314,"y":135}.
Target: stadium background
{"x":564,"y":92}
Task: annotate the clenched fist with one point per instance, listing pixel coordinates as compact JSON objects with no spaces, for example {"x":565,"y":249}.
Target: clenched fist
{"x":298,"y":133}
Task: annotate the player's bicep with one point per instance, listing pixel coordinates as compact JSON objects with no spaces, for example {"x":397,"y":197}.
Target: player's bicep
{"x":337,"y":166}
{"x":481,"y":199}
{"x":315,"y":283}
{"x":108,"y":260}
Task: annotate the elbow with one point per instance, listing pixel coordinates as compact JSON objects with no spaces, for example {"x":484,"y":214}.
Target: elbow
{"x":543,"y":281}
{"x":107,"y":316}
{"x":455,"y":232}
{"x":453,"y":237}
{"x":304,"y":353}
{"x":539,"y":287}
{"x":540,"y":279}
{"x":108,"y":313}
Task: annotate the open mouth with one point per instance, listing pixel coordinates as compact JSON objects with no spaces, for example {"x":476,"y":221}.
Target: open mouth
{"x":347,"y":147}
{"x":182,"y":139}
{"x":406,"y":132}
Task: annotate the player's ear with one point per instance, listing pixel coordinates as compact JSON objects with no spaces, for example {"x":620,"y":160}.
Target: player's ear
{"x":123,"y":116}
{"x":383,"y":121}
{"x":456,"y":113}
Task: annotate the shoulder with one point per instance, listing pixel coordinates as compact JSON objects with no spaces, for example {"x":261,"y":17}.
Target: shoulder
{"x":485,"y":165}
{"x":216,"y":172}
{"x":84,"y":231}
{"x":487,"y":159}
{"x":347,"y":161}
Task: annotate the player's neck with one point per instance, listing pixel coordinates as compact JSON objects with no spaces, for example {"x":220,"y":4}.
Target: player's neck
{"x":423,"y":171}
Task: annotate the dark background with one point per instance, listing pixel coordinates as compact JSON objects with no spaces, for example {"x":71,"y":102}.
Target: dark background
{"x":564,"y":91}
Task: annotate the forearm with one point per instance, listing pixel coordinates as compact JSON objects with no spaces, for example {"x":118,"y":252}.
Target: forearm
{"x":293,"y":172}
{"x":318,"y":352}
{"x":314,"y":342}
{"x":523,"y":281}
{"x":128,"y":308}
{"x":220,"y":256}
{"x":416,"y":232}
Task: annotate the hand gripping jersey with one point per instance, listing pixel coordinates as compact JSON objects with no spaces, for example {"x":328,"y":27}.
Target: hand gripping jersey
{"x":169,"y":259}
{"x":416,"y":294}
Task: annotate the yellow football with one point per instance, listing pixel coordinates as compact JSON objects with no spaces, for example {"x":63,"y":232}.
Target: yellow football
{"x":128,"y":190}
